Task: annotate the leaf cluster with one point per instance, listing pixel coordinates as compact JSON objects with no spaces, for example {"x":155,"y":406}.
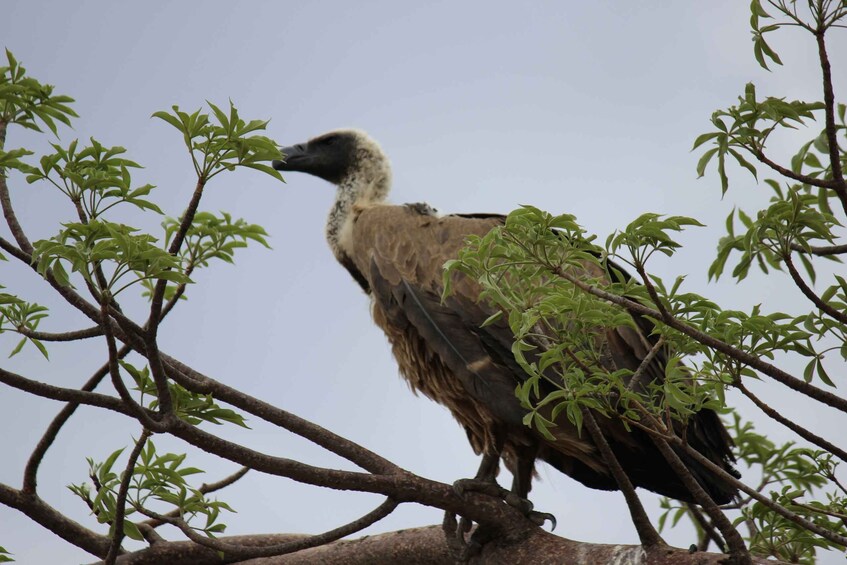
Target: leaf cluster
{"x":26,"y":102}
{"x":155,"y":479}
{"x":192,"y":407}
{"x":103,"y":246}
{"x":224,"y":144}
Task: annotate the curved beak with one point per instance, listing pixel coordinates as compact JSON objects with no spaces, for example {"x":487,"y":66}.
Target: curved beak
{"x":294,"y":158}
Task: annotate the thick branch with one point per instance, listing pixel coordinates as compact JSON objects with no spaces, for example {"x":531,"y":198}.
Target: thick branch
{"x":62,"y":336}
{"x":47,"y":516}
{"x":426,"y":546}
{"x":63,"y":394}
{"x":198,"y":382}
{"x":248,"y":551}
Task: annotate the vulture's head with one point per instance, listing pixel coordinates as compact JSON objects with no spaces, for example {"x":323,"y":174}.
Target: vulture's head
{"x":348,"y":158}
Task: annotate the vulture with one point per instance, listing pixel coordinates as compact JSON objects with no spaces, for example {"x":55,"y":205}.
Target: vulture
{"x":396,"y":253}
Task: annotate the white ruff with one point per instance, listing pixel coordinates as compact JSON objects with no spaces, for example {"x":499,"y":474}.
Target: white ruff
{"x":366,"y":185}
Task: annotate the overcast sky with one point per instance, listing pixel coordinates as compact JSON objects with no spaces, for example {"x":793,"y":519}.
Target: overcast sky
{"x":582,"y":107}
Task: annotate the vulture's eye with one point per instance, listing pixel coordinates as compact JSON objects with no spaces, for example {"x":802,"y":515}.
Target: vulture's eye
{"x":331,"y":140}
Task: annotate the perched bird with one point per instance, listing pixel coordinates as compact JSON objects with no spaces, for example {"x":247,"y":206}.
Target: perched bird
{"x":396,"y":253}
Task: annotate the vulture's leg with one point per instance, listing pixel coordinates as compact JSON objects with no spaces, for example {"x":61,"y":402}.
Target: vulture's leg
{"x":522,"y":483}
{"x":485,"y":479}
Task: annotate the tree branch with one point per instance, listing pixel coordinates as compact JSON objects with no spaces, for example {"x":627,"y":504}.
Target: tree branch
{"x":63,"y":394}
{"x":839,"y":185}
{"x":824,"y":251}
{"x":755,"y":362}
{"x":62,"y":336}
{"x":200,"y":383}
{"x":809,"y":293}
{"x":426,"y":546}
{"x":6,"y":202}
{"x":247,"y":551}
{"x":647,"y":534}
{"x":794,"y":427}
{"x":205,"y":488}
{"x":120,"y":501}
{"x":47,"y":516}
{"x":32,"y":465}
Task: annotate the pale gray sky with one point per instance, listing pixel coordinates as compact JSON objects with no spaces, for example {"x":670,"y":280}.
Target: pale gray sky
{"x":581,"y":107}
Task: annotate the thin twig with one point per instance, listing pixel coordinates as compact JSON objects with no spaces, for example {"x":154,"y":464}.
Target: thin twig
{"x":115,"y":373}
{"x":8,"y":210}
{"x":709,"y":531}
{"x":757,"y":363}
{"x":176,"y":244}
{"x":793,"y":426}
{"x":839,"y":184}
{"x":637,"y":376}
{"x":805,"y":179}
{"x":120,"y":501}
{"x":733,"y":538}
{"x":810,"y":294}
{"x":765,"y":500}
{"x":49,"y":436}
{"x":204,"y":489}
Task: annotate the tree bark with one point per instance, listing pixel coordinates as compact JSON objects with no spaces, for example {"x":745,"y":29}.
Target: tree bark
{"x":426,"y":546}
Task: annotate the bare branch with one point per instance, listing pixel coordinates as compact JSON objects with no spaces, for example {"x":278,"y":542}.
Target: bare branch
{"x":62,"y":336}
{"x":647,"y":534}
{"x":709,"y":531}
{"x":63,"y":394}
{"x":781,"y":510}
{"x":120,"y":501}
{"x":733,"y":538}
{"x":246,"y":551}
{"x":793,"y":426}
{"x":32,"y":465}
{"x":47,"y":516}
{"x":839,"y":184}
{"x":198,"y":382}
{"x":176,"y":244}
{"x":824,"y":251}
{"x":6,"y":202}
{"x":810,"y":294}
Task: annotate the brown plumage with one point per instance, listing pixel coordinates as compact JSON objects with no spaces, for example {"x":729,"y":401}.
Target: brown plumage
{"x":397,"y":254}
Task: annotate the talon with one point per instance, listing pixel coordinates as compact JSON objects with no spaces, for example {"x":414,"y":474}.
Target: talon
{"x":539,"y":518}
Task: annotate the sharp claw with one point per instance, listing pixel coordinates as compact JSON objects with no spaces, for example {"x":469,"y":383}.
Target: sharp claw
{"x":541,"y":517}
